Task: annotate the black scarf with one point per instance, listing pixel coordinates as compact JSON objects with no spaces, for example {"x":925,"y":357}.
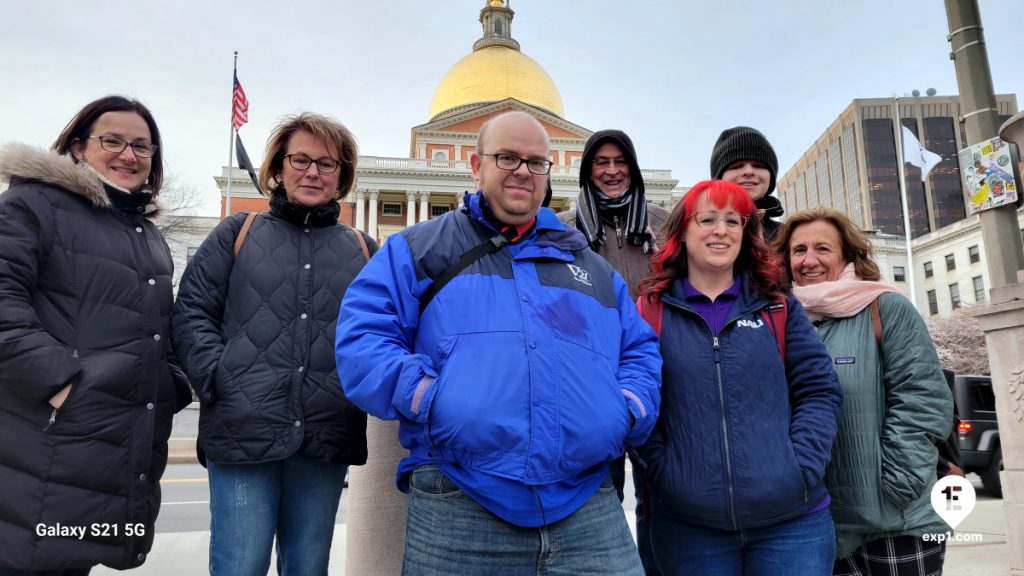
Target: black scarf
{"x":319,"y":217}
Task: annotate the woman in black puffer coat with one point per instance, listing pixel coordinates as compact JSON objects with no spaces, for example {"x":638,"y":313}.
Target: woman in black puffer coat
{"x":87,"y":381}
{"x":255,"y":333}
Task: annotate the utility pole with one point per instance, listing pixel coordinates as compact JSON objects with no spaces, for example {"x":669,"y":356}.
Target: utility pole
{"x":999,"y":228}
{"x":1002,"y":320}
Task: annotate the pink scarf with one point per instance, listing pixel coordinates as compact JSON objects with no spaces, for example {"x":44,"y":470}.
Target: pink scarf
{"x":840,"y":298}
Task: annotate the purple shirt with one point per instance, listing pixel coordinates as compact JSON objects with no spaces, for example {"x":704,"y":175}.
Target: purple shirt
{"x":714,"y":312}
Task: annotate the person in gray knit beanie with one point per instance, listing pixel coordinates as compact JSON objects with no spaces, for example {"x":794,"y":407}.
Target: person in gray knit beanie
{"x":742,"y":155}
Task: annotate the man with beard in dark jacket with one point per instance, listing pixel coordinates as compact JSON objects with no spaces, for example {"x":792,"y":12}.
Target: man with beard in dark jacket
{"x":742,"y":155}
{"x":623,"y":228}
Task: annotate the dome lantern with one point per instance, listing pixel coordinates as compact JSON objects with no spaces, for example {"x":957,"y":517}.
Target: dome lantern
{"x":496,"y":70}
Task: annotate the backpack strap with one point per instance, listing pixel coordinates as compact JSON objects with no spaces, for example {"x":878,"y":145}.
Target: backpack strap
{"x":651,"y":312}
{"x":362,"y":241}
{"x":240,"y":239}
{"x":492,"y":244}
{"x":776,"y":309}
{"x":876,"y":319}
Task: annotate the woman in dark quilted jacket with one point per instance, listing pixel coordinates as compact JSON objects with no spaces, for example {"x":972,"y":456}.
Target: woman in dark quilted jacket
{"x":254,"y":324}
{"x":750,"y":402}
{"x":88,"y":385}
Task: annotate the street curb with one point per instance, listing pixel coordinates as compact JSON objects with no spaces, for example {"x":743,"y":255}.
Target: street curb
{"x":182,"y":451}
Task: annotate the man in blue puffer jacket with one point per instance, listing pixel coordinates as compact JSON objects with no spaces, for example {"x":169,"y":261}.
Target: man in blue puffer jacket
{"x":514,"y":385}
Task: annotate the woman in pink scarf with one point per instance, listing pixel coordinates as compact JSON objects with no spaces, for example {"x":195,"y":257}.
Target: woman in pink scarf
{"x":897,"y":405}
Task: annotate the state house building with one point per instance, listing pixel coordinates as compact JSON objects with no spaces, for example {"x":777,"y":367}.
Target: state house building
{"x":496,"y":77}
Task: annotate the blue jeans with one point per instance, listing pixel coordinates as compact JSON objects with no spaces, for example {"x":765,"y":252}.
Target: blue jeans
{"x":803,"y":546}
{"x":295,"y":499}
{"x":449,"y":533}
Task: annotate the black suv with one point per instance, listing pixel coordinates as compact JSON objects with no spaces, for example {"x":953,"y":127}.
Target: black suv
{"x":977,"y":431}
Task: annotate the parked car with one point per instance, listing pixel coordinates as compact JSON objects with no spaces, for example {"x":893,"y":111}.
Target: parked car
{"x":978,"y":431}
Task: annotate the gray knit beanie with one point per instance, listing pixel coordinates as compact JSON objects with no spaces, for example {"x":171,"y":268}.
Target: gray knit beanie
{"x":743,"y":143}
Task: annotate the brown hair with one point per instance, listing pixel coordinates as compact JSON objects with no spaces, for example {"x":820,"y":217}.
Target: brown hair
{"x":332,"y":133}
{"x":78,"y":130}
{"x":855,"y":245}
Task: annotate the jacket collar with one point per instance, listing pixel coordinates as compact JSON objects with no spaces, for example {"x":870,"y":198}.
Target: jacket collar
{"x":549,"y":230}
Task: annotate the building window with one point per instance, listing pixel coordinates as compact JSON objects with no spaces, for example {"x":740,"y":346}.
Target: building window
{"x":928,"y":272}
{"x":933,"y":303}
{"x":950,"y":262}
{"x":979,"y":289}
{"x":899,"y":274}
{"x":954,"y":295}
{"x":972,"y":253}
{"x":440,"y":155}
{"x":391,"y":208}
{"x":439,"y":209}
{"x":190,"y":252}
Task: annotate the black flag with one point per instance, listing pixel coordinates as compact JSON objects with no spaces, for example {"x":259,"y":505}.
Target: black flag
{"x":245,"y":164}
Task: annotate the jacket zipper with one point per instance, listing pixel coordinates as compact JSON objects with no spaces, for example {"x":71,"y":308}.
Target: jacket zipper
{"x":53,"y":418}
{"x":725,"y":435}
{"x":618,"y":230}
{"x":721,"y":406}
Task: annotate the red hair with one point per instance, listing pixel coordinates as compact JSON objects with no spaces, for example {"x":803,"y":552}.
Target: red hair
{"x":760,"y":263}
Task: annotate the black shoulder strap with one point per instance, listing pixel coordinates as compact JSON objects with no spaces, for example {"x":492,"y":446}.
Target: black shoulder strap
{"x":493,"y":244}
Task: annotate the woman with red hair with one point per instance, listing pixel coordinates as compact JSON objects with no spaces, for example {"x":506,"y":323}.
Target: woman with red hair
{"x":750,"y":401}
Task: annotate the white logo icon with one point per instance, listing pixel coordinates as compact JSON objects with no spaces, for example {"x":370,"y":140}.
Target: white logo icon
{"x":750,"y":323}
{"x":579,"y":274}
{"x":953,"y":499}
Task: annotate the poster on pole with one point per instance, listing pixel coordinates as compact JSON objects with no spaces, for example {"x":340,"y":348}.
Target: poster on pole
{"x":987,"y":170}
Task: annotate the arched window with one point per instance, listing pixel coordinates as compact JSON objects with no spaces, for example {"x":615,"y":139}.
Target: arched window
{"x":440,"y":155}
{"x":499,"y":27}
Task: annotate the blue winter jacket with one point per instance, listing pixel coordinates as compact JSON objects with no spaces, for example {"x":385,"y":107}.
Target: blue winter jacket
{"x":526,"y":366}
{"x":743,"y":439}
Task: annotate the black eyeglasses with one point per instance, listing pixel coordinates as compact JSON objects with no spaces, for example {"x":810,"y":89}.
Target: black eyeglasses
{"x":116,"y":145}
{"x":301,"y":163}
{"x":512,"y":163}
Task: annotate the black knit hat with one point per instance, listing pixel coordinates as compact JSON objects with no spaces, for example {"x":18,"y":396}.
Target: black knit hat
{"x":743,"y":143}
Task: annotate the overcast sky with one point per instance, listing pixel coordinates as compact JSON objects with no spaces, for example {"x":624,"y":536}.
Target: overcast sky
{"x":673,"y":74}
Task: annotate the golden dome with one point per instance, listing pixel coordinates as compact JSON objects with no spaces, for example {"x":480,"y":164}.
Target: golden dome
{"x":492,"y":74}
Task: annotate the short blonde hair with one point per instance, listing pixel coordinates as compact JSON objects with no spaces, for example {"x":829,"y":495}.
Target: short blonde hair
{"x":331,"y":132}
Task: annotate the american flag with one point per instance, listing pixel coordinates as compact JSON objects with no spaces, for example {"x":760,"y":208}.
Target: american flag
{"x":239,"y":106}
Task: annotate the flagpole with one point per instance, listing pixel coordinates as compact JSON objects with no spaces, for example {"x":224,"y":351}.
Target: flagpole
{"x":231,"y":149}
{"x":898,"y":133}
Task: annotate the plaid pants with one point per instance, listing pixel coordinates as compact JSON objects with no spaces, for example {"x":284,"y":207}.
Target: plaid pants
{"x":894,"y":556}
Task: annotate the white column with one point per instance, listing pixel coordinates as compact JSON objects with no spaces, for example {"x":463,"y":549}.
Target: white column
{"x":371,"y":228}
{"x":424,"y":205}
{"x":360,"y":209}
{"x":410,"y":207}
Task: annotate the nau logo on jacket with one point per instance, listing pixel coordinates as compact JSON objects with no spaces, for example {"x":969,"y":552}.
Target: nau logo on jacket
{"x":744,"y":323}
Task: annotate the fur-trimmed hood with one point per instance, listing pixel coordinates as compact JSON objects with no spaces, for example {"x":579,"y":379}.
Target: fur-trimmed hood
{"x":31,"y":163}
